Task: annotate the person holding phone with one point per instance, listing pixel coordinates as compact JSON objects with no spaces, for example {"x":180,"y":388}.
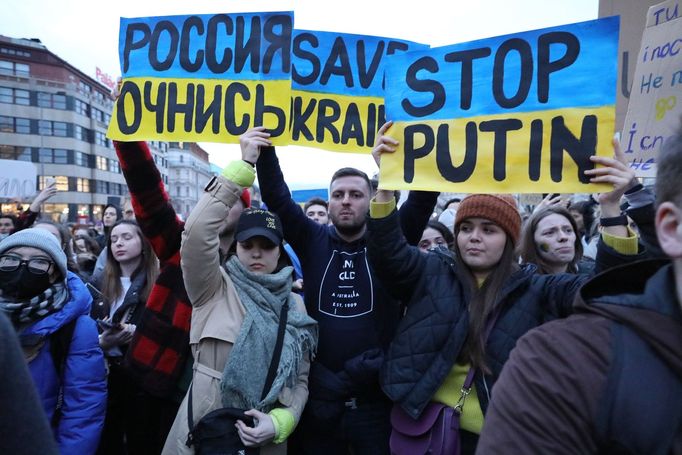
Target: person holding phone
{"x":121,"y":291}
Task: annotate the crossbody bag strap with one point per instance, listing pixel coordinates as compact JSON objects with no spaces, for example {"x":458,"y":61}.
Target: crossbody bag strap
{"x":277,"y":353}
{"x":469,"y":380}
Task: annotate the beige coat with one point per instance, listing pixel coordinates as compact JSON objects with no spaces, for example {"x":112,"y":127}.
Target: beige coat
{"x":217,"y":316}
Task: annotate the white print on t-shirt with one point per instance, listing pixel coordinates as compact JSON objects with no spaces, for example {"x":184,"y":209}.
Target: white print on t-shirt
{"x":346,"y":290}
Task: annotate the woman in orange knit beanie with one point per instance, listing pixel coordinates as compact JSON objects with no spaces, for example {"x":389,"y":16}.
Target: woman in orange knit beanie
{"x":465,"y":312}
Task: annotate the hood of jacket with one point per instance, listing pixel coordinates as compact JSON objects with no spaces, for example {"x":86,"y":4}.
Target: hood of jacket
{"x":642,"y":296}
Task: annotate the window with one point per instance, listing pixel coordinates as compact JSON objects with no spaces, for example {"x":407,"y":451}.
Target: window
{"x":45,"y":127}
{"x":51,"y":100}
{"x":60,"y":129}
{"x":15,"y":125}
{"x":101,"y":163}
{"x":22,"y":125}
{"x":22,"y":97}
{"x":81,"y":133}
{"x":21,"y":69}
{"x":61,"y":156}
{"x":61,"y":181}
{"x":81,"y":107}
{"x":8,"y":51}
{"x":101,"y":187}
{"x":80,"y":159}
{"x":114,"y":166}
{"x":56,"y":156}
{"x":6,"y":124}
{"x":101,"y":139}
{"x":97,"y":114}
{"x":13,"y":68}
{"x":82,"y":185}
{"x":6,"y":95}
{"x":18,"y":153}
{"x":50,"y":128}
{"x":84,"y":88}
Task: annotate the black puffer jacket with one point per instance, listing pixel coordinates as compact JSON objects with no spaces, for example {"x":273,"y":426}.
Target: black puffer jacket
{"x":432,"y":332}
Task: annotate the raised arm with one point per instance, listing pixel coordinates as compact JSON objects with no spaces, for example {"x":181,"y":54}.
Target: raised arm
{"x":200,"y":251}
{"x":397,"y":264}
{"x":29,"y":216}
{"x":153,"y":210}
{"x":276,"y":195}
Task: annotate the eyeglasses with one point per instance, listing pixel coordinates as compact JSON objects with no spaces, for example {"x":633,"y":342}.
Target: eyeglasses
{"x":37,"y":266}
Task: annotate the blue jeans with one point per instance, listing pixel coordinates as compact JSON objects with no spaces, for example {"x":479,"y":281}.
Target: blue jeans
{"x":365,"y":429}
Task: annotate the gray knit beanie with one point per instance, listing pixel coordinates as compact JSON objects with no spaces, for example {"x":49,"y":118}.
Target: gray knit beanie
{"x":37,"y":238}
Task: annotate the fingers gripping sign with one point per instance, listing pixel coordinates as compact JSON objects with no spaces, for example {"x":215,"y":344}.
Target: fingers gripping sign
{"x":251,"y":142}
{"x":614,"y":171}
{"x":262,"y":433}
{"x":383,"y":143}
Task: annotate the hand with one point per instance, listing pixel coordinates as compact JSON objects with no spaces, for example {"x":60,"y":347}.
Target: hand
{"x":615,"y":171}
{"x":297,"y":285}
{"x":261,"y":434}
{"x":117,"y":336}
{"x":252,"y":141}
{"x":551,"y":200}
{"x":116,"y":91}
{"x":383,"y":143}
{"x":43,"y":196}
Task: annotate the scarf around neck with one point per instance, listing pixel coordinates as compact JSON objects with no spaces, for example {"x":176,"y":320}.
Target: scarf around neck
{"x":27,"y":311}
{"x":245,"y":370}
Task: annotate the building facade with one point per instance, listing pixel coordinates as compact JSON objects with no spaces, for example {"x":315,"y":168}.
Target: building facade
{"x":56,"y":116}
{"x":189,"y":172}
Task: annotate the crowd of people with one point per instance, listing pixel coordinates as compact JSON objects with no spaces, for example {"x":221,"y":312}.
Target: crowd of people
{"x":341,"y":326}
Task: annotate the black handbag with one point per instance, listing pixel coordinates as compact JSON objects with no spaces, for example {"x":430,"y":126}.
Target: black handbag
{"x":215,"y":433}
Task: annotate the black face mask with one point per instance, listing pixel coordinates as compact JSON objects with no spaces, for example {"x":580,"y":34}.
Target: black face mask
{"x":22,"y":284}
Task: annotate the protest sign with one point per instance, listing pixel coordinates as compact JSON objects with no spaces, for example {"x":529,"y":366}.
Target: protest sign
{"x":520,"y":113}
{"x":338,"y":88}
{"x":204,"y":77}
{"x":17,"y":179}
{"x":655,"y":106}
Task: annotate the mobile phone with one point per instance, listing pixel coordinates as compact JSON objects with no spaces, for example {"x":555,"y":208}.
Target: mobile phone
{"x":93,"y":289}
{"x":108,"y":324}
{"x":49,"y":181}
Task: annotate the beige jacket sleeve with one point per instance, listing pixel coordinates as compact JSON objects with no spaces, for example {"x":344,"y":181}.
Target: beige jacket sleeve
{"x":200,"y":251}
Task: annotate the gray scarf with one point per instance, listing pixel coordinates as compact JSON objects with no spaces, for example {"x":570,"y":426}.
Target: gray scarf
{"x":244,"y":375}
{"x":30,"y":310}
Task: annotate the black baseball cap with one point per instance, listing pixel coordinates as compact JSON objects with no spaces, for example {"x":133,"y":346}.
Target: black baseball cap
{"x":259,"y":222}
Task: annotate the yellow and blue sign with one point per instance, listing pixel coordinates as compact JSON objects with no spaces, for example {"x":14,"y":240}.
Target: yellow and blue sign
{"x":204,"y":77}
{"x":520,"y":113}
{"x":338,"y":88}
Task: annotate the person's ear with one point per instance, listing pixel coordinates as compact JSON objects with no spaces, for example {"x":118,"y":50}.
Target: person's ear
{"x":669,"y":229}
{"x":54,"y":274}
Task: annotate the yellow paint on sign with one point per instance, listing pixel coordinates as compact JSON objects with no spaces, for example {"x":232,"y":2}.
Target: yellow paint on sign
{"x":517,"y":167}
{"x":200,"y":110}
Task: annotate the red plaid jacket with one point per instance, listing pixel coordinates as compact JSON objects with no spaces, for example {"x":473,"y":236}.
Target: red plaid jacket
{"x":160,"y":349}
